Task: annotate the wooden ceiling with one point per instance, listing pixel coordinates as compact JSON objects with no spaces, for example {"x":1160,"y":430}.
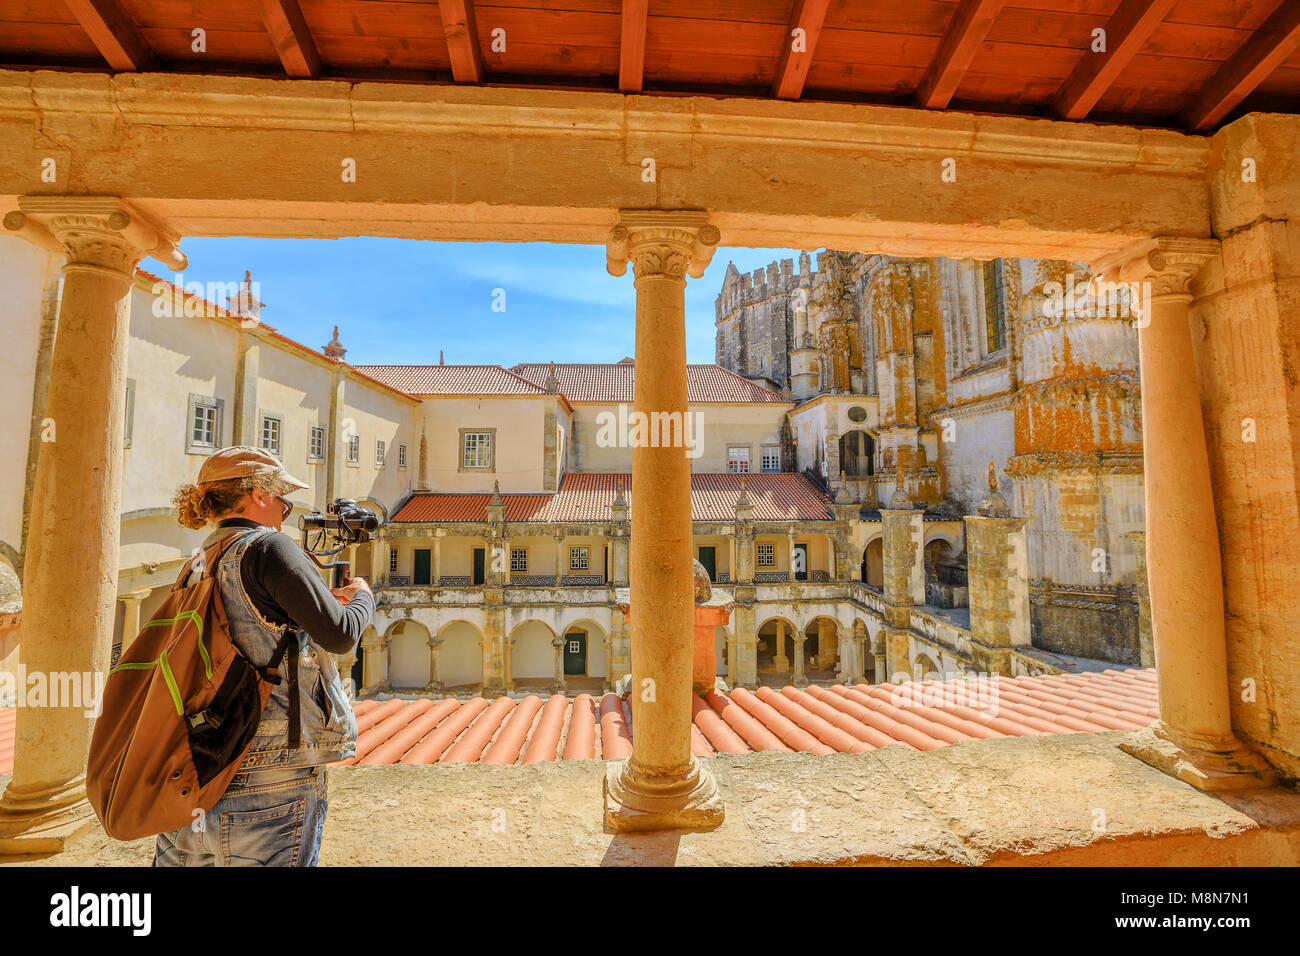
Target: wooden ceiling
{"x":1188,"y":64}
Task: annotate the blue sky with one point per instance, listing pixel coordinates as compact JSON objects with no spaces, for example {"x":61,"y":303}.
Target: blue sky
{"x":399,"y":301}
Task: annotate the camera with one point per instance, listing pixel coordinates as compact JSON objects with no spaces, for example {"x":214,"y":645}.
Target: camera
{"x":344,"y":521}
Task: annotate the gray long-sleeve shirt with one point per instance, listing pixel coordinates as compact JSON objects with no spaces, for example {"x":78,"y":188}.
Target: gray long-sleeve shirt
{"x":285,"y":587}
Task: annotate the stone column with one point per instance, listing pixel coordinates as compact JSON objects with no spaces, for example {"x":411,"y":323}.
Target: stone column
{"x":131,"y":602}
{"x":1184,"y":566}
{"x":998,"y":571}
{"x":374,"y":662}
{"x":435,"y":676}
{"x":69,"y":575}
{"x":1146,"y":648}
{"x":799,"y":678}
{"x":559,"y":685}
{"x":779,"y":660}
{"x":437,"y":556}
{"x":559,"y":563}
{"x":904,"y":579}
{"x":661,"y":784}
{"x":494,"y":640}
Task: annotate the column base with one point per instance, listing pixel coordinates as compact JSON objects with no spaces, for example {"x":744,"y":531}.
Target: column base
{"x":1215,"y":765}
{"x":689,"y":801}
{"x":42,"y":821}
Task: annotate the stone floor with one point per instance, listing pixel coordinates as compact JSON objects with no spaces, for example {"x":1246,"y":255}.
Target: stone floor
{"x":1075,"y":799}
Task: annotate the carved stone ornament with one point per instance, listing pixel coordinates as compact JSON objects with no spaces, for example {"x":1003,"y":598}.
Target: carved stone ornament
{"x":670,"y":243}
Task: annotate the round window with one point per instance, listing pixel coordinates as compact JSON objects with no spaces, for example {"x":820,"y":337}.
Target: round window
{"x":857,"y":414}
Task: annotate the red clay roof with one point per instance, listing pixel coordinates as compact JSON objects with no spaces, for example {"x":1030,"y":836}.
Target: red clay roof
{"x":613,"y":382}
{"x":776,"y":496}
{"x":451,"y":379}
{"x":821,"y":720}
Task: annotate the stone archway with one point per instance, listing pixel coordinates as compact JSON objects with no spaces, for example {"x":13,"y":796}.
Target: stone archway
{"x":873,"y":563}
{"x":776,"y":647}
{"x":409,"y":662}
{"x":532,"y":655}
{"x":460,"y":656}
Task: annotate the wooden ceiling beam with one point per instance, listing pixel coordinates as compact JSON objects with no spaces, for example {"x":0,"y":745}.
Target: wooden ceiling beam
{"x":288,"y":31}
{"x":1126,"y":32}
{"x":462,"y":40}
{"x":1259,"y":56}
{"x":967,"y":29}
{"x":631,"y":46}
{"x":797,"y":51}
{"x":113,"y":33}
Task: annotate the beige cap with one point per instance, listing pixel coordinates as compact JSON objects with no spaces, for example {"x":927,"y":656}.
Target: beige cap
{"x":240,"y":461}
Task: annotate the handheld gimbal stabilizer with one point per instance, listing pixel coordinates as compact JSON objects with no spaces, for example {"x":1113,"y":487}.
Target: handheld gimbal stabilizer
{"x":343,"y":524}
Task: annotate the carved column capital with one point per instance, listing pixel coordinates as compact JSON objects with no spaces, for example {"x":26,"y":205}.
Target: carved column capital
{"x":95,"y":232}
{"x":1167,"y":264}
{"x":661,"y":242}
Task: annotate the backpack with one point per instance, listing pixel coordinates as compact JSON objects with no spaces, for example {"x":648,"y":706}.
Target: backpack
{"x":180,"y":711}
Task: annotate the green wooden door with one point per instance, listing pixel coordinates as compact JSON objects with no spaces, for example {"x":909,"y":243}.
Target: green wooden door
{"x":478,"y":565}
{"x":575,"y":653}
{"x":801,"y":562}
{"x":420,"y":566}
{"x":709,"y":558}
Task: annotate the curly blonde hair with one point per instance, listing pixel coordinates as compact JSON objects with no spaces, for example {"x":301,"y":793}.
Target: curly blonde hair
{"x":196,"y":505}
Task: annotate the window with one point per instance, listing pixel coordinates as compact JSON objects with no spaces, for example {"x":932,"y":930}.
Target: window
{"x":578,"y":560}
{"x":401,"y":456}
{"x":766,"y":555}
{"x":995,"y":320}
{"x":380,"y":448}
{"x":518,"y":559}
{"x":392,"y":561}
{"x":130,"y":412}
{"x":354,"y":449}
{"x":204,"y":430}
{"x":476,"y":450}
{"x":317,"y":442}
{"x":271,"y":434}
{"x":738,"y":458}
{"x":771,"y":457}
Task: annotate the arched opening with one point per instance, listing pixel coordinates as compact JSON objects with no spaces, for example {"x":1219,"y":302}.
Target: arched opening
{"x":409,"y":664}
{"x":857,"y":454}
{"x":923,"y":668}
{"x":460,"y":657}
{"x":532,"y":655}
{"x":821,"y":649}
{"x":945,"y":575}
{"x":775,"y":656}
{"x":873,"y":564}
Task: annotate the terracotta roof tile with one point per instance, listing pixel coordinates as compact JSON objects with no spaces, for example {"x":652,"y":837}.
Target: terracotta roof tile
{"x":450,"y":379}
{"x":822,"y":720}
{"x":472,"y":508}
{"x":613,"y":382}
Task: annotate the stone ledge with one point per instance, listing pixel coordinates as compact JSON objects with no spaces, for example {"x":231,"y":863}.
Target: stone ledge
{"x":1074,"y":800}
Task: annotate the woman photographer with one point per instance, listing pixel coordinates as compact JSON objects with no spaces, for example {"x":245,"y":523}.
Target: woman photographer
{"x":273,"y":812}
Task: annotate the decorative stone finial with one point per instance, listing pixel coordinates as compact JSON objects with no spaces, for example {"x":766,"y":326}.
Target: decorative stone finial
{"x":552,"y":383}
{"x":440,"y":359}
{"x":993,"y":505}
{"x":619,"y":500}
{"x":743,"y":498}
{"x":495,"y":500}
{"x":900,"y":501}
{"x":334,"y":349}
{"x":842,"y":496}
{"x":703,"y":586}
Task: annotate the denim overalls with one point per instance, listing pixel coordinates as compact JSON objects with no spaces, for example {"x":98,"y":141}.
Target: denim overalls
{"x":273,"y":812}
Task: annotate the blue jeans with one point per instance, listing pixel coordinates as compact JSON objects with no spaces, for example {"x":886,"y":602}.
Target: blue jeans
{"x":265,"y":818}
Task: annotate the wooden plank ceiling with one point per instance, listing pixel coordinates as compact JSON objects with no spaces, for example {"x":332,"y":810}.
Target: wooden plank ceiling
{"x":1187,"y":64}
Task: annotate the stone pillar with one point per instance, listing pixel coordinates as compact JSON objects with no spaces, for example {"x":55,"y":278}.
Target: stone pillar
{"x":620,"y":651}
{"x":558,"y":685}
{"x":998,"y":571}
{"x":904,"y":580}
{"x":382,"y":557}
{"x":69,"y":573}
{"x":1146,"y":648}
{"x":661,"y":784}
{"x":374,"y":662}
{"x":779,"y":660}
{"x":437,"y":556}
{"x":559,"y":563}
{"x":828,"y":649}
{"x":1184,"y":567}
{"x":494,"y":639}
{"x":435,"y":671}
{"x":131,"y":602}
{"x":799,"y":679}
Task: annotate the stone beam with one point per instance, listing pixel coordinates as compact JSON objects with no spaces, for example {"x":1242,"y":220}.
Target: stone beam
{"x":223,"y":156}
